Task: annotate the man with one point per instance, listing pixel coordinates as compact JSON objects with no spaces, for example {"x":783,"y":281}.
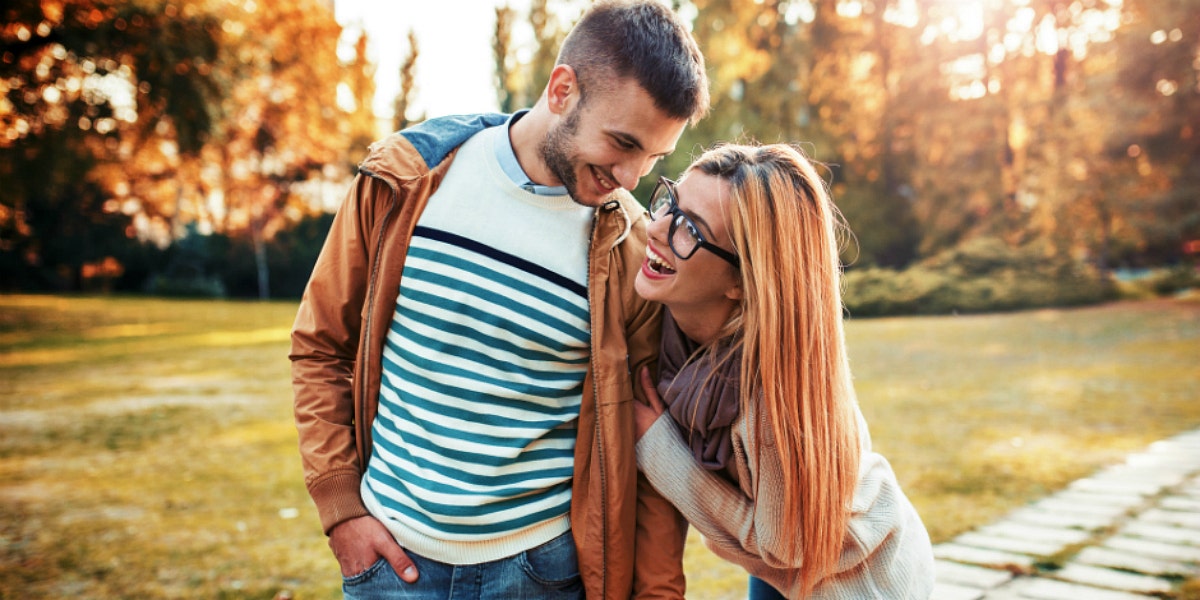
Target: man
{"x":463,"y":351}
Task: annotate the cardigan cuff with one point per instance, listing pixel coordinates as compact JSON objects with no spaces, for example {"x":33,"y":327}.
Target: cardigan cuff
{"x":662,"y":454}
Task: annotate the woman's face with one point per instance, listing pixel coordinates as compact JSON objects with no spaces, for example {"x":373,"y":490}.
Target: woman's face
{"x":704,"y":286}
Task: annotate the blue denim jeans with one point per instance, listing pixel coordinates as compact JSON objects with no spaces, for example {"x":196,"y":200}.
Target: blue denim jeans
{"x":761,"y":590}
{"x":547,"y":571}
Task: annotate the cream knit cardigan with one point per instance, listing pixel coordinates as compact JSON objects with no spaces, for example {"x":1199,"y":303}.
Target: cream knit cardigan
{"x":886,"y":553}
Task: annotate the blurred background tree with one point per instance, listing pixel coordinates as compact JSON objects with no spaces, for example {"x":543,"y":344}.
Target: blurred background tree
{"x":1046,"y":141}
{"x":519,"y":83}
{"x":89,"y":85}
{"x":133,"y":123}
{"x":408,"y":70}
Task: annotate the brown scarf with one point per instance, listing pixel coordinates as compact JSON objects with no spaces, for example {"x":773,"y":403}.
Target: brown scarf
{"x":703,"y":415}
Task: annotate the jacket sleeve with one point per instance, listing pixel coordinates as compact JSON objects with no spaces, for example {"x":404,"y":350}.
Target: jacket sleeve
{"x":324,"y":348}
{"x":661,"y":529}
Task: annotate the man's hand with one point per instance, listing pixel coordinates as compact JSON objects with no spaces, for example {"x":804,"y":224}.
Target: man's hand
{"x":644,"y":416}
{"x":359,"y":543}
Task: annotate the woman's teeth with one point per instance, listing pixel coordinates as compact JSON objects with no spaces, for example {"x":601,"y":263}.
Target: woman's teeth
{"x":657,"y":264}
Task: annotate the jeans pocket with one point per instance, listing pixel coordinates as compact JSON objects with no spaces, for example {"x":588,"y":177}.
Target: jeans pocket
{"x":554,"y":564}
{"x":366,"y":576}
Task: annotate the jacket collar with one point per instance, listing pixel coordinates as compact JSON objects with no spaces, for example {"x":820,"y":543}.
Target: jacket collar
{"x":416,"y":151}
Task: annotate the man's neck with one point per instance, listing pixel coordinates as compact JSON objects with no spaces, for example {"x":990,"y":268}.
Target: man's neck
{"x":527,"y":135}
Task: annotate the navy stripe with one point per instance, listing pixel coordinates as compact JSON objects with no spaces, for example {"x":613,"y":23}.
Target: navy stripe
{"x":504,"y":257}
{"x":520,"y":285}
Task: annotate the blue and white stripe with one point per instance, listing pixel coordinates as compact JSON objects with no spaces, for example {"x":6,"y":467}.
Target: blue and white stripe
{"x":482,"y":382}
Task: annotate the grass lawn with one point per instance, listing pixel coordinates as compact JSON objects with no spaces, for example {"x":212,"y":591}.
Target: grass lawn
{"x":147,"y":448}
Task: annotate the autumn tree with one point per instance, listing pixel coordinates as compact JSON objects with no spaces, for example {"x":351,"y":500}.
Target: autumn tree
{"x":807,"y":73}
{"x":519,"y":83}
{"x":408,"y":73}
{"x":1060,"y":127}
{"x":361,"y":124}
{"x":285,"y":127}
{"x":549,"y":31}
{"x":506,"y":79}
{"x":1147,"y":101}
{"x":150,"y":121}
{"x":87,"y":84}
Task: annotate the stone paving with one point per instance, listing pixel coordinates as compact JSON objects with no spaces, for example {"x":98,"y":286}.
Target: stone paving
{"x":1129,"y":532}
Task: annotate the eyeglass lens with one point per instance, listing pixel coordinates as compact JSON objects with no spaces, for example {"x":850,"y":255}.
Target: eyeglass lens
{"x":682,"y":234}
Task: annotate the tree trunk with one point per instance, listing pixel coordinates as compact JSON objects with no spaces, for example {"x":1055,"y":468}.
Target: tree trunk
{"x":260,"y":261}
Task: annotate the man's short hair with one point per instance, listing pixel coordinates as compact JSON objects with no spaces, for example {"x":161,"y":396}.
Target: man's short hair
{"x":645,"y":40}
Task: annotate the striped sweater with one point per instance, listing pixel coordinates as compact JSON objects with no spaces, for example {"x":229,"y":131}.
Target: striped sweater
{"x":483,"y":368}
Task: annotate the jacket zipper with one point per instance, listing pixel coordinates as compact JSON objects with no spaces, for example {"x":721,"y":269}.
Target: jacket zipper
{"x":599,"y":440}
{"x":365,"y":345}
{"x":592,"y":290}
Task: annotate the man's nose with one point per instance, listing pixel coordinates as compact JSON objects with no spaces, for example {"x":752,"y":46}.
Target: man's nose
{"x":628,"y":172}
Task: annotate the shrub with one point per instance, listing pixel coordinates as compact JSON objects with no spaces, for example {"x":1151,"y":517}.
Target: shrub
{"x":194,"y":286}
{"x":1149,"y":283}
{"x":984,"y":275}
{"x":1174,"y":280}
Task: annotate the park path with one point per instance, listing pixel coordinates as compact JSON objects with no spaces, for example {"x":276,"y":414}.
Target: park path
{"x":1129,"y":532}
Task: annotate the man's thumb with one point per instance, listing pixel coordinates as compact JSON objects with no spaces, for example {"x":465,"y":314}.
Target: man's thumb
{"x":402,"y":564}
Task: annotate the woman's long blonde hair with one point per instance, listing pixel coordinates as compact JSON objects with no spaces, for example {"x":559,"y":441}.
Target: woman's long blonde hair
{"x":785,"y":229}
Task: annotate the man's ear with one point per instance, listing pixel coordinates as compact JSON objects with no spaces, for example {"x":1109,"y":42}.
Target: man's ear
{"x":562,"y":91}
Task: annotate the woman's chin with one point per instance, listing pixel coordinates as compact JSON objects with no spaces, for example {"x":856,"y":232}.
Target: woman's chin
{"x":644,"y":286}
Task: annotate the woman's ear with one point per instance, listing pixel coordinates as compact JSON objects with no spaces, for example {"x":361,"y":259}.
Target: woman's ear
{"x":735,"y":292}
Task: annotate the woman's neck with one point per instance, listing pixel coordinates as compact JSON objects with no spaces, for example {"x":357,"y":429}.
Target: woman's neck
{"x":701,"y":327}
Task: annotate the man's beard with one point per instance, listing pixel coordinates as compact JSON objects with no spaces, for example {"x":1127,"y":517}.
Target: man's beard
{"x":558,"y":151}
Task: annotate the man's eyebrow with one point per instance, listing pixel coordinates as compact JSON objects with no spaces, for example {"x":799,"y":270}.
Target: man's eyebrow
{"x":633,"y":140}
{"x":628,"y":138}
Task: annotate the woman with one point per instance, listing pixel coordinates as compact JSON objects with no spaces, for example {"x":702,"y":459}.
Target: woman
{"x":757,"y":438}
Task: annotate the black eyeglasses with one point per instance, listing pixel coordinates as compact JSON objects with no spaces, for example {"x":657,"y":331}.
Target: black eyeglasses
{"x":683,"y":237}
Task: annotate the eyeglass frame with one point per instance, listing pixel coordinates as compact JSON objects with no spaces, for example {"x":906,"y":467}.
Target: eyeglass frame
{"x":678,"y":215}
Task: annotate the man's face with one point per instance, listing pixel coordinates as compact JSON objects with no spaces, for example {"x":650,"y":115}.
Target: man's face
{"x":608,"y":142}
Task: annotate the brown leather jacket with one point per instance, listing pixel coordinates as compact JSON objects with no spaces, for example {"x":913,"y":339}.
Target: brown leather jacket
{"x":629,"y":539}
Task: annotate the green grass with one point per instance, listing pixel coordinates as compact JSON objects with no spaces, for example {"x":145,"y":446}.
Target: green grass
{"x":147,"y":448}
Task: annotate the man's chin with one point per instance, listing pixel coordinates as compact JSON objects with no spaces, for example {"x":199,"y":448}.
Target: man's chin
{"x":582,"y":199}
{"x":595,"y":200}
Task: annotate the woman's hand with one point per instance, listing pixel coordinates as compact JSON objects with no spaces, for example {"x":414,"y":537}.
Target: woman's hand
{"x":645,"y":415}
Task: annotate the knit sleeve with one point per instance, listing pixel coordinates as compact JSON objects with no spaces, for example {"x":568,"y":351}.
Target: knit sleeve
{"x":711,"y":504}
{"x":739,"y":528}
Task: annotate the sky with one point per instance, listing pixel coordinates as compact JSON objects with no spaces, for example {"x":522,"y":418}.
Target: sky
{"x":455,"y":65}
